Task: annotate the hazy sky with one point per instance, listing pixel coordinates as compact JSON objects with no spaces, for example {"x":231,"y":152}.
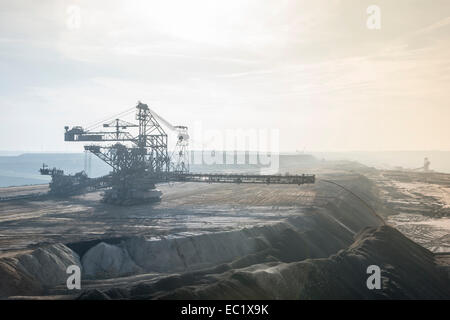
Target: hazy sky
{"x":311,"y":69}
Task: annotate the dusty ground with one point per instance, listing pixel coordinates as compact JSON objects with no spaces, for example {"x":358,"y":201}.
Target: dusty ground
{"x":325,"y":216}
{"x":418,"y":204}
{"x":186,"y":208}
{"x":23,"y":190}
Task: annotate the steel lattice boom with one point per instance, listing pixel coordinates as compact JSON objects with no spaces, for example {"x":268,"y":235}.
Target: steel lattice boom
{"x":139,"y":159}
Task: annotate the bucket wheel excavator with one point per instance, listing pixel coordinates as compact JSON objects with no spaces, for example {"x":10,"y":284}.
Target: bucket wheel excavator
{"x":138,"y":154}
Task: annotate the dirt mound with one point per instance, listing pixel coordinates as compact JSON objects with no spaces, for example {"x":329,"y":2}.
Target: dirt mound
{"x":292,"y":240}
{"x":408,"y":271}
{"x":106,"y":260}
{"x":35,"y":272}
{"x":49,"y":264}
{"x":14,"y":282}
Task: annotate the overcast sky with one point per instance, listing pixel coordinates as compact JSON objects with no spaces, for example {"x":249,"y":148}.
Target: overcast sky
{"x":311,"y":69}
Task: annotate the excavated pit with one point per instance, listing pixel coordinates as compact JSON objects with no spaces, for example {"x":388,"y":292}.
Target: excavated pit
{"x":311,"y":233}
{"x":265,"y":242}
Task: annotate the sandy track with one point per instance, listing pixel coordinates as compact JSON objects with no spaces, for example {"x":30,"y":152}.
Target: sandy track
{"x":419,"y":205}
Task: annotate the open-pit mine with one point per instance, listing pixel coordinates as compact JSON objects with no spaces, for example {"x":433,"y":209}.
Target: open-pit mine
{"x":235,"y":240}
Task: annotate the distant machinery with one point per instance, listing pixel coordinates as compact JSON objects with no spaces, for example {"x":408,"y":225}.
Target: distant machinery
{"x":46,"y":171}
{"x":425,"y":167}
{"x":139,"y":158}
{"x":79,"y":182}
